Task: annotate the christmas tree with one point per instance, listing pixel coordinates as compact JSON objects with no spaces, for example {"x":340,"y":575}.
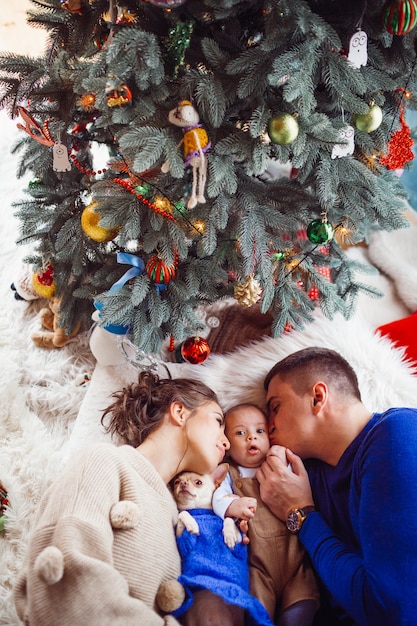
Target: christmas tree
{"x":186,"y":151}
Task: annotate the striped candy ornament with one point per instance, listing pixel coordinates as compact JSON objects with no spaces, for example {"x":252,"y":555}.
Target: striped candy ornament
{"x":158,"y":271}
{"x":399,"y":16}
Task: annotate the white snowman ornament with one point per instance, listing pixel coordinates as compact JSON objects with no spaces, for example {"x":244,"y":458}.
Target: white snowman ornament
{"x":358,"y":49}
{"x":347,"y":143}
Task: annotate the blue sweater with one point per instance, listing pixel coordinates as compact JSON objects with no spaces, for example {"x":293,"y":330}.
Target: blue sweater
{"x":207,"y":563}
{"x":363,"y":540}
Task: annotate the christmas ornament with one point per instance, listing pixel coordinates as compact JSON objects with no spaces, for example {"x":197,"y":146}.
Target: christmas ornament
{"x":73,"y":6}
{"x":43,"y":282}
{"x":358,"y":49}
{"x":196,"y":144}
{"x":159,"y":271}
{"x":399,"y":16}
{"x":117,"y":95}
{"x":320,"y":231}
{"x":283,"y":129}
{"x":126,"y":17}
{"x":87,"y":101}
{"x":177,"y":44}
{"x":248,"y":292}
{"x":35,"y":182}
{"x":166,"y":4}
{"x":194,"y":350}
{"x":399,"y":147}
{"x":61,"y":162}
{"x":40,"y":133}
{"x":347,"y":143}
{"x":4,"y":503}
{"x":370,"y":121}
{"x":89,"y":222}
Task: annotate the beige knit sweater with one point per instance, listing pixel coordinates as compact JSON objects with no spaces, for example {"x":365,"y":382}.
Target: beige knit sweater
{"x":110,"y":521}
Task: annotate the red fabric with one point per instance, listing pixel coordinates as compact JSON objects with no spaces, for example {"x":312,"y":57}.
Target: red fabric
{"x":403,"y":333}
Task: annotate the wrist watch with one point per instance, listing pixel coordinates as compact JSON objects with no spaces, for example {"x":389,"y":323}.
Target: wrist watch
{"x":297,"y":517}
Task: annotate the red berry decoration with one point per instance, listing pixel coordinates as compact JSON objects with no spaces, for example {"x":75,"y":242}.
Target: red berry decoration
{"x":158,"y":271}
{"x":399,"y":16}
{"x":194,"y":350}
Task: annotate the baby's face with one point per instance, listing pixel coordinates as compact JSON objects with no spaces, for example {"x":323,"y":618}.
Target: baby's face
{"x":247,"y":430}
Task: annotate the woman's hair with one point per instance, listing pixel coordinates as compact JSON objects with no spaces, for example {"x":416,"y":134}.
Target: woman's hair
{"x":139,"y":408}
{"x":307,"y":366}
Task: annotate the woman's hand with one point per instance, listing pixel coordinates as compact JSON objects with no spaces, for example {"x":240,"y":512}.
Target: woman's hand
{"x":283,"y":481}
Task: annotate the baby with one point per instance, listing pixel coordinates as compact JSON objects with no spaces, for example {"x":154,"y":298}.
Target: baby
{"x":281,"y":576}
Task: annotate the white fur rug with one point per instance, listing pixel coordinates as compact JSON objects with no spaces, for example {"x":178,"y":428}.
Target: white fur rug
{"x":41,"y":392}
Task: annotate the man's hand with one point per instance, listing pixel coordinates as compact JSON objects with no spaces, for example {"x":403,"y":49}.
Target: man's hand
{"x":283,"y":487}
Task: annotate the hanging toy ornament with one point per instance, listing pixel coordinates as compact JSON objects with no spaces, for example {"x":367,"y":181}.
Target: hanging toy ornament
{"x":43,"y":282}
{"x":61,"y":162}
{"x":248,"y":292}
{"x":159,"y":272}
{"x":320,"y":231}
{"x":283,"y":129}
{"x":358,"y":49}
{"x":117,"y":94}
{"x":196,"y":144}
{"x":346,"y":145}
{"x":399,"y":147}
{"x":90,"y":219}
{"x":399,"y":16}
{"x":194,"y":350}
{"x":370,"y":121}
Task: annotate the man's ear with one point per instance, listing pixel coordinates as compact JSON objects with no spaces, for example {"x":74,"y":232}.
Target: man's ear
{"x":319,"y":396}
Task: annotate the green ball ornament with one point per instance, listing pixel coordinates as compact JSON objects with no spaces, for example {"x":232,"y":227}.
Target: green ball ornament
{"x":283,"y":129}
{"x":370,"y":121}
{"x":320,"y":232}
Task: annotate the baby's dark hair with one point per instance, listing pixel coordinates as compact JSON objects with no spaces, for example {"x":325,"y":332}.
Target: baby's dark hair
{"x":139,"y":408}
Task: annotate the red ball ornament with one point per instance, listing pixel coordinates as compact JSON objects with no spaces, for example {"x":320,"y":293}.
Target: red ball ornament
{"x":194,"y":350}
{"x":399,"y":16}
{"x":158,"y":271}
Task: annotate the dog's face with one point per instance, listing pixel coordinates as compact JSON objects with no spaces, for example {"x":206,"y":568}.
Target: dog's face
{"x":193,"y":491}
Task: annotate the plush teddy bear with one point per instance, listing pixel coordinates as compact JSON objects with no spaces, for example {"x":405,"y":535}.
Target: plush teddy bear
{"x":53,"y":336}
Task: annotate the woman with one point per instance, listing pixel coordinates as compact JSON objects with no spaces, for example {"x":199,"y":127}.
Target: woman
{"x":104,"y":540}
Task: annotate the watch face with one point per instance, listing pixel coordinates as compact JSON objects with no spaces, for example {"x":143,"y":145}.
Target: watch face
{"x":293,"y":521}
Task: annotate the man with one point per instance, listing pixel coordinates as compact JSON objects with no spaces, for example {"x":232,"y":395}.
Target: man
{"x":355,"y":511}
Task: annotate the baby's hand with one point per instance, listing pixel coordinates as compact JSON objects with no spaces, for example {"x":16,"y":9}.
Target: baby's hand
{"x":242,"y":508}
{"x":279,"y":452}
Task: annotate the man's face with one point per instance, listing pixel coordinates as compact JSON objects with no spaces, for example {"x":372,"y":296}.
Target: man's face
{"x":289,"y":416}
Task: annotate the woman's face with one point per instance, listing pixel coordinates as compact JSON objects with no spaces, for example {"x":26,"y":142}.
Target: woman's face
{"x":206,"y":441}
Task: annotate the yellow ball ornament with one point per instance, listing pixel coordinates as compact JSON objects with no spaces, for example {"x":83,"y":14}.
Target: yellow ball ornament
{"x":283,"y":129}
{"x":90,"y":224}
{"x":43,"y":282}
{"x":370,"y":121}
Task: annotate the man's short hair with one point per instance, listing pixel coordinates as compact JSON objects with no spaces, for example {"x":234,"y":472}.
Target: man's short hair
{"x":305,"y":367}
